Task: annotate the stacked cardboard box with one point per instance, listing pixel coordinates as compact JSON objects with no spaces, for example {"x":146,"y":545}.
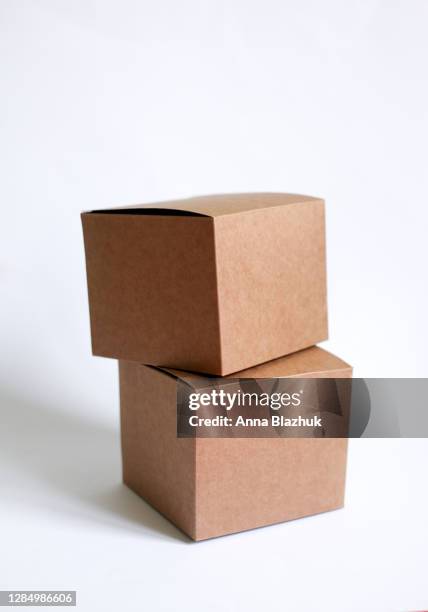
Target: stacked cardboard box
{"x":220,"y":285}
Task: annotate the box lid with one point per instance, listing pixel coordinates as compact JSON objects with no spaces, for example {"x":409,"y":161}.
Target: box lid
{"x":211,"y":205}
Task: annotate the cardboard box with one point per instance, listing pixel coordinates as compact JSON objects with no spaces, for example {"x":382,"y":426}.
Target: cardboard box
{"x":213,"y":284}
{"x":217,"y":486}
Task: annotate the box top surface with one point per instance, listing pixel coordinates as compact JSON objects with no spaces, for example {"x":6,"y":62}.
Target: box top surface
{"x":211,"y":205}
{"x":310,"y":362}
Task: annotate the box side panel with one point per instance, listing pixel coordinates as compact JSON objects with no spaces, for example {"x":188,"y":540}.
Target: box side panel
{"x":271,"y":273}
{"x":152,"y":289}
{"x":311,"y":361}
{"x":157,"y":465}
{"x":247,"y":483}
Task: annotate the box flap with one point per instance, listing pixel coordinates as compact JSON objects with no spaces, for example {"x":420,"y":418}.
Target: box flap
{"x":211,"y":205}
{"x":193,"y":379}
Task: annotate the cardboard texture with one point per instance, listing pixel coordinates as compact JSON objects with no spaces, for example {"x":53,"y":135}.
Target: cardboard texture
{"x":213,"y":284}
{"x":213,"y":487}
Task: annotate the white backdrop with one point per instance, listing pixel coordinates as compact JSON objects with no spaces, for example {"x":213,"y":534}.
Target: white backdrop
{"x":106,"y":103}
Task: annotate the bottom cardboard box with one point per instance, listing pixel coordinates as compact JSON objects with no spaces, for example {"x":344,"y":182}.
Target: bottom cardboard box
{"x":210,"y":487}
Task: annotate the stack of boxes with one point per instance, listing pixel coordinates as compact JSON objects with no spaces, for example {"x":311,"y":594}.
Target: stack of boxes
{"x":220,"y":285}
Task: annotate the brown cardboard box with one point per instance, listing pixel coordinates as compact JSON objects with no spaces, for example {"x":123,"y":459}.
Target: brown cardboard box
{"x":213,"y":284}
{"x":212,"y":487}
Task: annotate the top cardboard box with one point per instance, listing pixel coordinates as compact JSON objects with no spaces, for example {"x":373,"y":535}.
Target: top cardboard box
{"x":211,"y":284}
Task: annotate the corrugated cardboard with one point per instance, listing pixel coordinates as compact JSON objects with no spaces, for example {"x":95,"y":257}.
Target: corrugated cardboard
{"x":213,"y":284}
{"x":212,"y":487}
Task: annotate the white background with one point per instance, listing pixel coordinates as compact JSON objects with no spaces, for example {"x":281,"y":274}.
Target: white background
{"x":106,"y":103}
